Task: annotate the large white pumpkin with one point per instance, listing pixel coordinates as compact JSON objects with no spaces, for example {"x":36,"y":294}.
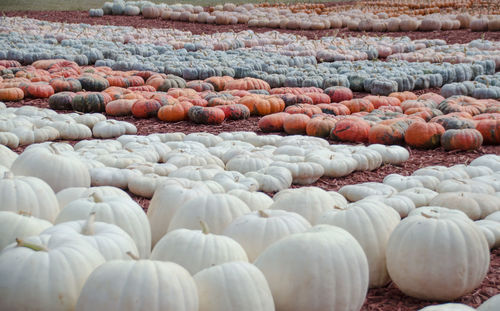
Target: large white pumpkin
{"x":371,"y":224}
{"x":217,"y":210}
{"x":257,"y":230}
{"x":254,"y":200}
{"x":28,"y":195}
{"x":437,"y":257}
{"x":130,"y":285}
{"x":492,"y":304}
{"x":58,"y":170}
{"x":448,"y":307}
{"x":196,"y":250}
{"x":14,"y":225}
{"x":324,"y":269}
{"x":120,"y":211}
{"x":236,"y":286}
{"x":45,"y":273}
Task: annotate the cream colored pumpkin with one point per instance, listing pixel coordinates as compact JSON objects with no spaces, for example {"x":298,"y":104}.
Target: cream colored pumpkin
{"x":7,"y":156}
{"x":145,"y":185}
{"x":257,"y":230}
{"x":227,"y":281}
{"x":419,"y":195}
{"x":72,"y":130}
{"x":254,"y":200}
{"x":491,"y":304}
{"x":448,"y":307}
{"x":335,"y":164}
{"x":402,"y":182}
{"x":303,"y":173}
{"x":19,"y":225}
{"x":272,"y":178}
{"x":9,"y":139}
{"x":58,"y":170}
{"x":441,"y":172}
{"x":88,"y":119}
{"x":437,"y":257}
{"x":166,"y":200}
{"x":110,"y":240}
{"x":70,"y":194}
{"x":358,"y":192}
{"x":491,"y":231}
{"x":232,"y":180}
{"x":119,"y":211}
{"x":28,"y":195}
{"x":391,"y":154}
{"x":31,"y":135}
{"x":371,"y":224}
{"x":61,"y":264}
{"x":464,"y":185}
{"x":207,"y":139}
{"x":217,"y":210}
{"x":338,"y":279}
{"x":112,"y":176}
{"x":247,"y":163}
{"x":401,"y":204}
{"x":144,"y":285}
{"x":197,"y":173}
{"x":112,"y":128}
{"x":196,"y":250}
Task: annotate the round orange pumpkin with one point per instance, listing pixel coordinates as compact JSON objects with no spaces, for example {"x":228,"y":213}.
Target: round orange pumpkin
{"x":272,"y":122}
{"x":351,"y":129}
{"x":320,"y":126}
{"x":466,"y":139}
{"x":144,"y":108}
{"x":295,"y":124}
{"x":11,"y":94}
{"x":424,"y":135}
{"x":490,"y":129}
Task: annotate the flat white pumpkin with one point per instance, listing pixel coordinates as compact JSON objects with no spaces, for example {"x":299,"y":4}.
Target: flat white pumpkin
{"x":338,"y":279}
{"x":196,"y":250}
{"x":391,"y":154}
{"x":257,"y":230}
{"x":358,"y":192}
{"x":227,"y":282}
{"x":490,"y":160}
{"x":45,"y":272}
{"x":139,"y":285}
{"x":303,"y":173}
{"x":67,"y":195}
{"x":335,"y":164}
{"x":255,"y":200}
{"x":491,"y":230}
{"x":19,"y":225}
{"x":419,"y":195}
{"x":272,"y":178}
{"x":7,"y":156}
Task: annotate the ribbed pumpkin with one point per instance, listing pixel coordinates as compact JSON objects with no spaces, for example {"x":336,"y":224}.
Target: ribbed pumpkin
{"x":65,"y":85}
{"x":273,"y":122}
{"x":295,"y":124}
{"x":490,"y":129}
{"x":462,"y":104}
{"x":358,"y":105}
{"x":218,"y":82}
{"x":424,"y":135}
{"x":247,"y":84}
{"x":200,"y":86}
{"x":379,"y":101}
{"x":145,"y":108}
{"x":173,"y":113}
{"x":450,"y":122}
{"x":120,"y":107}
{"x":320,"y":126}
{"x":37,"y":89}
{"x":402,"y":96}
{"x":235,"y":111}
{"x":11,"y":94}
{"x":335,"y":109}
{"x":263,"y":105}
{"x":292,"y":99}
{"x":93,"y":83}
{"x":61,"y":101}
{"x":90,"y":102}
{"x":466,"y":139}
{"x":206,"y":115}
{"x":306,"y":109}
{"x":318,"y":98}
{"x":385,"y":134}
{"x":351,"y":129}
{"x":339,"y":93}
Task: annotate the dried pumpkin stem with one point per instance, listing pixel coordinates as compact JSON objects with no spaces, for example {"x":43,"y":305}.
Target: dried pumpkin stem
{"x":35,"y":247}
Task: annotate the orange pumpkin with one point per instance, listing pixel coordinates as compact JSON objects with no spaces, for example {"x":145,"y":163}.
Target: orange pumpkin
{"x":318,"y":98}
{"x":263,"y":105}
{"x":379,"y":101}
{"x":490,"y":129}
{"x":334,"y":108}
{"x":385,"y":134}
{"x":206,"y":115}
{"x":37,"y":89}
{"x":309,"y":110}
{"x":462,"y":104}
{"x":295,"y":124}
{"x":351,"y":129}
{"x":320,"y":126}
{"x":436,"y":98}
{"x":358,"y":105}
{"x":144,"y":108}
{"x":402,"y":96}
{"x":11,"y":94}
{"x":273,"y":122}
{"x":120,"y":107}
{"x":466,"y":139}
{"x":172,"y":113}
{"x":247,"y":84}
{"x":218,"y":82}
{"x":424,"y":135}
{"x":339,"y":94}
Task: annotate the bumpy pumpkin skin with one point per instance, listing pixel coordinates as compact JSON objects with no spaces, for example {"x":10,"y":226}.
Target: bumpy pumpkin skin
{"x":339,"y":93}
{"x":65,"y":85}
{"x":235,"y":111}
{"x":490,"y":129}
{"x":61,"y":101}
{"x":466,"y":139}
{"x":355,"y":130}
{"x":386,"y":135}
{"x":206,"y":115}
{"x":273,"y":122}
{"x":145,"y":108}
{"x":11,"y":94}
{"x":424,"y":135}
{"x":89,"y":102}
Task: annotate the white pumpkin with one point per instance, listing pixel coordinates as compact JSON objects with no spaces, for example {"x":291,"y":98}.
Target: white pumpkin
{"x":401,"y":204}
{"x":257,"y":230}
{"x":112,"y":128}
{"x":490,"y":160}
{"x":272,"y":178}
{"x":492,"y":180}
{"x":227,"y":282}
{"x":88,"y":119}
{"x":120,"y":159}
{"x":139,"y":285}
{"x":217,"y":210}
{"x":247,"y":163}
{"x":31,"y":135}
{"x":72,"y":131}
{"x":110,"y":240}
{"x":491,"y":231}
{"x":9,"y":139}
{"x":464,"y":185}
{"x":474,"y":171}
{"x":340,"y":267}
{"x":491,"y":304}
{"x":197,"y":173}
{"x":419,"y":195}
{"x":167,"y":199}
{"x":207,"y":139}
{"x":402,"y":182}
{"x":303,"y":173}
{"x":196,"y":250}
{"x":58,"y":170}
{"x":19,"y":225}
{"x":144,"y":185}
{"x":309,"y":202}
{"x":112,"y":176}
{"x":116,"y":210}
{"x":441,"y":172}
{"x":335,"y":164}
{"x":368,"y":159}
{"x":232,"y":180}
{"x":371,"y":224}
{"x":394,"y":155}
{"x":7,"y":156}
{"x":448,"y":307}
{"x":28,"y":195}
{"x":45,"y":272}
{"x":437,"y":257}
{"x":254,"y":200}
{"x":358,"y":192}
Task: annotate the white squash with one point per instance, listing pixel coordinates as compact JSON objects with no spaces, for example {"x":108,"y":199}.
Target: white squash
{"x":448,"y":307}
{"x":58,"y":170}
{"x":464,"y":185}
{"x":232,"y":180}
{"x":257,"y":230}
{"x":492,"y":180}
{"x":371,"y":224}
{"x":335,"y":164}
{"x":419,"y":195}
{"x":112,"y":176}
{"x":402,"y":182}
{"x":28,"y":195}
{"x":237,"y":286}
{"x":401,"y":204}
{"x":119,"y":211}
{"x":145,"y":185}
{"x":112,"y":128}
{"x":217,"y":210}
{"x":490,"y":160}
{"x":303,"y":173}
{"x":196,"y":250}
{"x":197,"y":173}
{"x":110,"y":240}
{"x":358,"y":192}
{"x":207,"y":139}
{"x":247,"y":163}
{"x":491,"y":231}
{"x":45,"y":272}
{"x":338,"y":279}
{"x":436,"y":256}
{"x":72,"y":131}
{"x":139,"y":285}
{"x":272,"y":178}
{"x":31,"y":135}
{"x":9,"y":139}
{"x":491,"y":304}
{"x":254,"y":200}
{"x":70,"y":194}
{"x":391,"y":154}
{"x":19,"y":225}
{"x":7,"y":156}
{"x":166,"y":200}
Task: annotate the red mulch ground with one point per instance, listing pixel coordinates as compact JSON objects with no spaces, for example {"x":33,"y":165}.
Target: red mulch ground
{"x":451,"y":36}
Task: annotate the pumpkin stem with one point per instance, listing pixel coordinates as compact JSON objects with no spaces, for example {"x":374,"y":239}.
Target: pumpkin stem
{"x":88,"y":227}
{"x":53,"y":148}
{"x":263,"y":214}
{"x":96,"y":197}
{"x":24,"y":213}
{"x":36,"y":248}
{"x":204,"y":227}
{"x":134,"y":257}
{"x":429,"y":216}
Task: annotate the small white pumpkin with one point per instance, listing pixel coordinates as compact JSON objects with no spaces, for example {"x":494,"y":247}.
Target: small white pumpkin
{"x":272,"y":178}
{"x":394,"y":155}
{"x":419,"y":195}
{"x":491,"y":231}
{"x":9,"y":139}
{"x":207,"y":139}
{"x":196,"y":250}
{"x":139,"y":285}
{"x":112,"y":128}
{"x":31,"y":135}
{"x":19,"y":225}
{"x":491,"y":304}
{"x":7,"y":156}
{"x":70,"y":194}
{"x":227,"y":282}
{"x":340,"y":267}
{"x":401,"y":204}
{"x":335,"y":164}
{"x":112,"y":176}
{"x":358,"y":192}
{"x":490,"y":160}
{"x":254,"y":200}
{"x":303,"y":173}
{"x":232,"y":180}
{"x":45,"y":272}
{"x":448,"y":307}
{"x":72,"y":131}
{"x":464,"y":185}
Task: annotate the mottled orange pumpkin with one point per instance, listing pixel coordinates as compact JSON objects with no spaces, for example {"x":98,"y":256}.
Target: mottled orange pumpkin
{"x":144,"y":108}
{"x":11,"y":94}
{"x":318,"y":98}
{"x":172,"y":113}
{"x":295,"y":124}
{"x":351,"y":129}
{"x":462,"y":104}
{"x":358,"y":105}
{"x":424,"y":135}
{"x":320,"y":126}
{"x":218,"y":82}
{"x":263,"y":105}
{"x":380,"y":101}
{"x":334,"y":109}
{"x":309,"y":110}
{"x":120,"y":107}
{"x":206,"y":115}
{"x":466,"y":139}
{"x":339,"y":94}
{"x":402,"y":96}
{"x":385,"y":134}
{"x":272,"y":122}
{"x":247,"y":84}
{"x":37,"y":89}
{"x":490,"y":129}
{"x":436,"y":98}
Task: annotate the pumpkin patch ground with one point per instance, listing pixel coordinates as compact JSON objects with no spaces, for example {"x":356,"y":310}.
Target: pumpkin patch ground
{"x":229,"y":146}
